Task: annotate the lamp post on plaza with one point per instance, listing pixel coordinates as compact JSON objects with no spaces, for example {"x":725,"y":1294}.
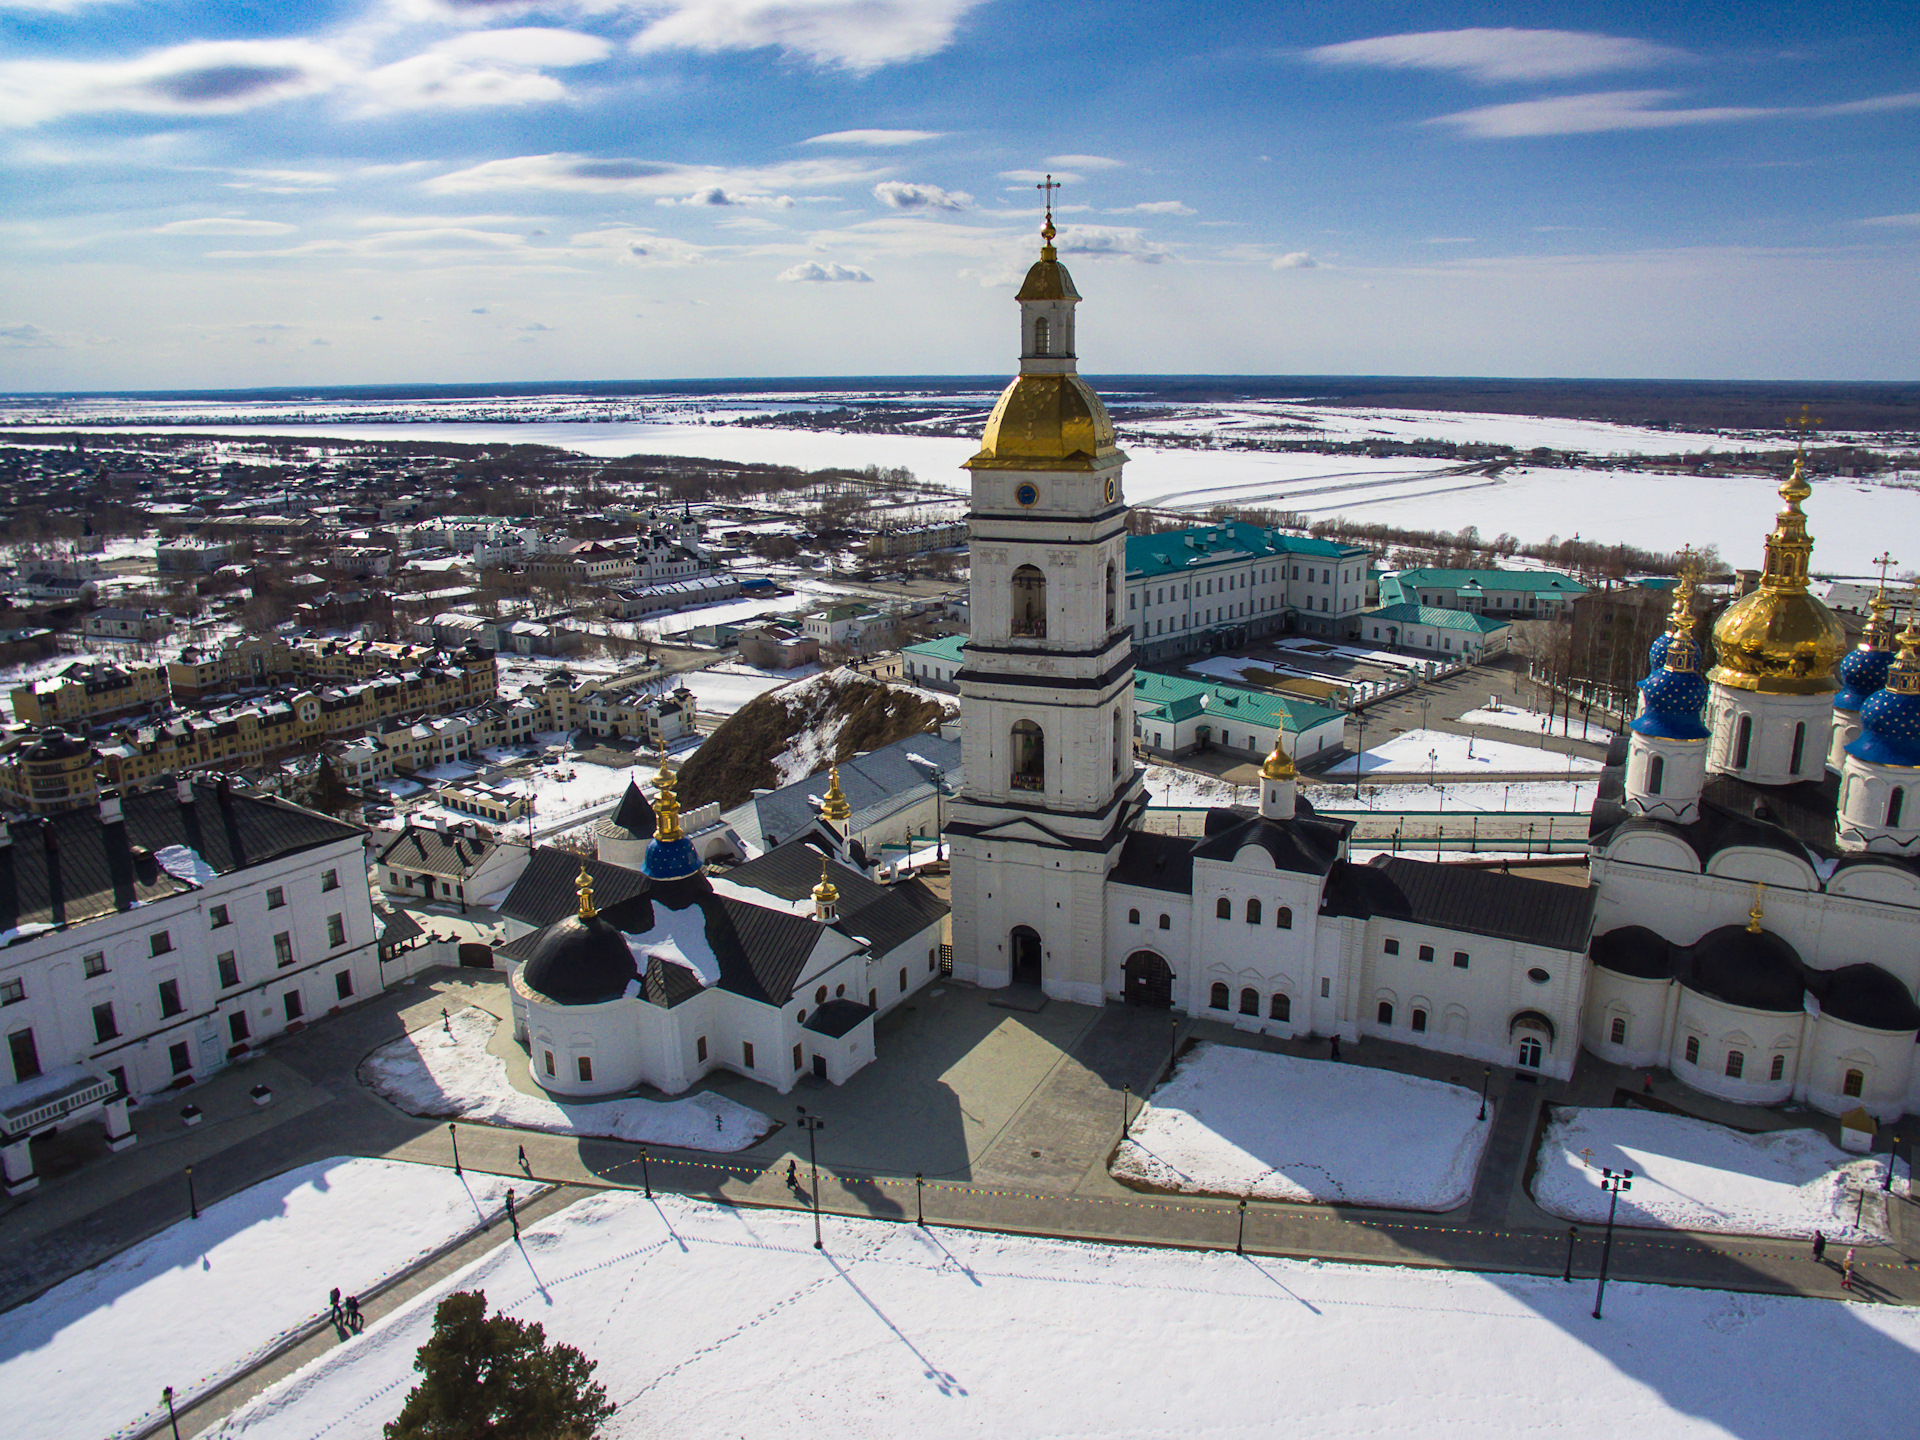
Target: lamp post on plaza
{"x":1173,"y":1057}
{"x":193,"y":1201}
{"x":1240,"y":1236}
{"x":1433,"y":764}
{"x":919,"y":1204}
{"x":1126,"y":1109}
{"x":173,"y":1420}
{"x":646,"y":1177}
{"x":813,"y":1125}
{"x":1893,"y":1153}
{"x":1486,"y":1083}
{"x":1573,"y":1234}
{"x":454,"y":1131}
{"x":1613,"y":1182}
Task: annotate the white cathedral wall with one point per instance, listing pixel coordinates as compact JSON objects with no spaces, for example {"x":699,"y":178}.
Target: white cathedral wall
{"x":1865,"y":793}
{"x":1260,"y":956}
{"x":1885,"y":1062}
{"x":1641,"y":1003}
{"x":1770,"y":757}
{"x":1721,"y":1028}
{"x":627,"y":1041}
{"x":1059,"y":894}
{"x":1172,"y":943}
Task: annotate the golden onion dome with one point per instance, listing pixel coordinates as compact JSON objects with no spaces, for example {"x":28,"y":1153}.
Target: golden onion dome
{"x":1279,"y":764}
{"x":1048,"y":279}
{"x":1780,"y":640}
{"x":1042,"y":421}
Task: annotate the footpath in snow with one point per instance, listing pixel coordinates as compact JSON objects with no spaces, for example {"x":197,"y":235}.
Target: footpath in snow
{"x":1693,"y":1175}
{"x":1272,"y":1127}
{"x":1445,"y":753}
{"x":205,"y":1298}
{"x":447,"y":1070}
{"x":710,"y":1321}
{"x":1508,"y":717}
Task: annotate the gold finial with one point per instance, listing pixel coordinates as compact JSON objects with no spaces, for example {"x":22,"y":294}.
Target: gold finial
{"x":1279,"y":765}
{"x":1049,"y":185}
{"x":834,"y":806}
{"x":824,"y":895}
{"x":1803,"y":422}
{"x":1880,"y":627}
{"x":583,"y":886}
{"x":666,"y":807}
{"x":1757,"y":913}
{"x":1903,"y":676}
{"x":1682,"y":653}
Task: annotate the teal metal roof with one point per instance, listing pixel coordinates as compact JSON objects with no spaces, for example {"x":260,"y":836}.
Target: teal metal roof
{"x":1438,"y":618}
{"x":1406,"y":586}
{"x":946,"y":648}
{"x":1181,"y":552}
{"x":1175,"y":698}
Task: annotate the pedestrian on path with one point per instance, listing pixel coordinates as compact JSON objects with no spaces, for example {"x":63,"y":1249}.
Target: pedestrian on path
{"x":1846,"y":1273}
{"x":512,"y":1217}
{"x":1819,"y":1247}
{"x":525,"y":1168}
{"x":1333,"y":1052}
{"x":333,"y":1304}
{"x":1646,"y":1083}
{"x":793,"y":1176}
{"x":354,"y":1322}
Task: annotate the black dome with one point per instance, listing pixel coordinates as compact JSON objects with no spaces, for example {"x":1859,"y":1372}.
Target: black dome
{"x":1867,"y":996}
{"x":580,"y":962}
{"x":1754,"y":970}
{"x":1633,"y":950}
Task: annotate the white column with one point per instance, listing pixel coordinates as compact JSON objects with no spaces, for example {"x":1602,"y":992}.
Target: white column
{"x":16,"y":1163}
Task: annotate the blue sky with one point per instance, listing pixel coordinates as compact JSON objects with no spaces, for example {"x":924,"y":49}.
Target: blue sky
{"x":365,"y":191}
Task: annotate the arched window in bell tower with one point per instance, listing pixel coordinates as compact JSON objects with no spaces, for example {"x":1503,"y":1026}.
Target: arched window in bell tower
{"x":1119,"y":746}
{"x":1742,"y":742}
{"x":1113,"y":593}
{"x":1656,"y":774}
{"x":1029,"y":603}
{"x":1042,"y":336}
{"x":1029,"y":756}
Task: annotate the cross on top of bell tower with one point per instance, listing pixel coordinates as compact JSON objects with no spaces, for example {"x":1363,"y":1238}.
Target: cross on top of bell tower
{"x":1048,"y":186}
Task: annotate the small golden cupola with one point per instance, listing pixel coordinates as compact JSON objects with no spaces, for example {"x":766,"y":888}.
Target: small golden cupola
{"x":1780,"y":640}
{"x":1048,"y":418}
{"x":834,"y":808}
{"x":826,"y":899}
{"x":583,"y":887}
{"x":1279,"y":782}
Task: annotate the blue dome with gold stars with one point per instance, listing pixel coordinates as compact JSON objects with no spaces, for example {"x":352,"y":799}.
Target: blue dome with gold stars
{"x":1862,"y":673}
{"x":1890,"y":719}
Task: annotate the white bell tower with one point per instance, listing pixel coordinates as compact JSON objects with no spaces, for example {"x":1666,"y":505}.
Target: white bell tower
{"x":1046,"y":682}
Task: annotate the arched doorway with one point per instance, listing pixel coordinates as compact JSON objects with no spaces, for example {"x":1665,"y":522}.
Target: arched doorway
{"x":1026,"y":956}
{"x":1148,"y":980}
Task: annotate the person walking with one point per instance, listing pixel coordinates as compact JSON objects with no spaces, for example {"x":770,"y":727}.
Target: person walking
{"x":1819,"y":1247}
{"x":354,"y":1322}
{"x":1846,"y":1272}
{"x":525,"y":1168}
{"x":333,"y":1304}
{"x":1333,"y":1051}
{"x":793,"y":1176}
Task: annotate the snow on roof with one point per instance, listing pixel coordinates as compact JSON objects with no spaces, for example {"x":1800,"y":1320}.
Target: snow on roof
{"x":183,"y":862}
{"x":678,"y":937}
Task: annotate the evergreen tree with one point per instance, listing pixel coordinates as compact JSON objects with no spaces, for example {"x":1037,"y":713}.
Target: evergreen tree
{"x":485,"y":1376}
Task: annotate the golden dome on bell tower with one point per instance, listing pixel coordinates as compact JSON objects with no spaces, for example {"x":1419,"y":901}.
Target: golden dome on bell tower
{"x":1780,"y":640}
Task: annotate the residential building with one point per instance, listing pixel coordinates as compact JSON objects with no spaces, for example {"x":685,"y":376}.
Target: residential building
{"x":126,"y":624}
{"x":1503,"y":594}
{"x":89,"y":691}
{"x":1449,"y":634}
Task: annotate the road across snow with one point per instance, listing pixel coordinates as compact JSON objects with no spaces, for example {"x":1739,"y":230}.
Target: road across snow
{"x":447,"y":1070}
{"x":1449,"y":754}
{"x":1273,"y":1127}
{"x":1693,"y":1175}
{"x":205,"y":1298}
{"x":711,"y":1321}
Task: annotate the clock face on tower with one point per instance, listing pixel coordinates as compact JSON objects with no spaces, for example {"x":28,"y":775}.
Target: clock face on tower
{"x":1027,"y":493}
{"x":1113,"y":489}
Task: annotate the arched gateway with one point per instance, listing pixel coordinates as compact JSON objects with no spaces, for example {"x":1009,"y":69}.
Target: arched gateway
{"x":1149,"y":980}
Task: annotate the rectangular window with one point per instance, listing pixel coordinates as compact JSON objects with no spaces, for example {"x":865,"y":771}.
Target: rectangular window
{"x":217,"y":917}
{"x":93,"y":966}
{"x":276,"y":897}
{"x":700,"y":1049}
{"x":1326,"y":987}
{"x":343,"y":985}
{"x":746,"y":1053}
{"x":548,"y":1054}
{"x":336,"y":930}
{"x":237,"y":1026}
{"x":159,"y":943}
{"x":329,"y":880}
{"x":585,"y":1068}
{"x":1426,"y":953}
{"x":798,"y":1062}
{"x":1693,"y":1050}
{"x":12,"y":992}
{"x":180,"y":1057}
{"x":229,"y":970}
{"x":283,"y":948}
{"x":25,"y":1054}
{"x":1392,"y":947}
{"x":1459,"y":959}
{"x":170,"y":998}
{"x":104,"y":1027}
{"x":292,"y":1004}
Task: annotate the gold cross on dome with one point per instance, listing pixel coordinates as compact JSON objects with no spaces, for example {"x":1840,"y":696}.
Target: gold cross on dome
{"x":1885,"y":561}
{"x":1049,"y":185}
{"x":1804,"y":422}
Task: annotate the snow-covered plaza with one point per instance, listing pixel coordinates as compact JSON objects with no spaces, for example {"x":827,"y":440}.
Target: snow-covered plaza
{"x":1444,"y":753}
{"x":446,"y":1070}
{"x":708,"y":1321}
{"x":1273,"y":1127}
{"x":1694,"y":1175}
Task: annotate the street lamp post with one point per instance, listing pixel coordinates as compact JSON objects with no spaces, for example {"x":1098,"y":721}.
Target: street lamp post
{"x":1126,"y":1109}
{"x":1173,"y":1058}
{"x":813,"y":1125}
{"x":1573,"y":1234}
{"x":172,"y":1419}
{"x":193,"y":1201}
{"x":919,"y":1204}
{"x":1613,"y":1182}
{"x":646,"y":1177}
{"x":1893,"y":1152}
{"x":1240,"y":1236}
{"x":454,"y":1131}
{"x":1486,"y":1082}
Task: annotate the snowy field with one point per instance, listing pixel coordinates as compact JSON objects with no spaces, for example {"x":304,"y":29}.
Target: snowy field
{"x":1444,"y":753}
{"x":1175,"y":789}
{"x":1468,"y":797}
{"x":710,"y":1322}
{"x":722,"y":690}
{"x":205,"y":1298}
{"x":434,"y":1072}
{"x":1692,"y":1175}
{"x":1272,"y":1127}
{"x":1509,"y":717}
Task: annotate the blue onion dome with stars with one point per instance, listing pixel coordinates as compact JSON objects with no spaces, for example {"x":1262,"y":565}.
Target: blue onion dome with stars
{"x":1676,"y":692}
{"x":1890,"y":719}
{"x":670,"y":855}
{"x":1865,"y":669}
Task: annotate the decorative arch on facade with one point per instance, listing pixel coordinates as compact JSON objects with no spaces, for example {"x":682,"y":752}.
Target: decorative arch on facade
{"x":1453,"y":1022}
{"x":1029,"y":616}
{"x":1532,"y":1020}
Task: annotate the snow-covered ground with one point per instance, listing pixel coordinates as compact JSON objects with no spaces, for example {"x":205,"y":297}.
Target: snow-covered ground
{"x":722,"y":691}
{"x":204,"y":1298}
{"x":1177,"y":789}
{"x":1448,"y":754}
{"x":708,"y":1321}
{"x":1468,"y":797}
{"x":1273,"y":1127}
{"x":1693,"y":1175}
{"x":446,"y":1070}
{"x":1510,"y":717}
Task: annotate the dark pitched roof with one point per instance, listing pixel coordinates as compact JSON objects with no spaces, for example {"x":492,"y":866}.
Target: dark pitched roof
{"x":838,"y":1017}
{"x":1156,"y":862}
{"x":1633,"y":950}
{"x":1465,"y":898}
{"x":544,"y":892}
{"x":452,"y":853}
{"x":396,"y":926}
{"x":884,"y":916}
{"x":635,"y":814}
{"x":1307,"y":843}
{"x":1756,"y":970}
{"x":1865,"y":995}
{"x":69,"y":867}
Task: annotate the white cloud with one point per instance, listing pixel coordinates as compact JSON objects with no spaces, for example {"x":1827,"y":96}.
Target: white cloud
{"x":1499,"y":55}
{"x":857,"y":35}
{"x":1639,"y":110}
{"x":282,"y":182}
{"x":1034,"y":177}
{"x":1081,"y":162}
{"x":1895,"y":221}
{"x":1155,"y":207}
{"x":19,"y":335}
{"x":813,"y":270}
{"x":1118,"y":241}
{"x":720,"y":195}
{"x":1295,"y":260}
{"x":632,"y":245}
{"x":899,"y":195}
{"x":618,"y":175}
{"x":874,"y":139}
{"x":224,"y":225}
{"x":485,"y":67}
{"x":1451,"y":240}
{"x":204,"y":78}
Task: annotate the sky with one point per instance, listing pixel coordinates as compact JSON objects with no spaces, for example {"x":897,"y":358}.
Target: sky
{"x":239,"y":193}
